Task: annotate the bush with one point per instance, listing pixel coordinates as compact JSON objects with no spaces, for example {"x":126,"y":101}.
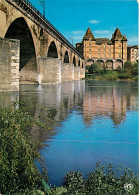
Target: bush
{"x":101,"y":181}
{"x":111,"y":75}
{"x":135,"y":69}
{"x":94,"y":68}
{"x":128,"y":68}
{"x":123,"y":76}
{"x":18,"y":152}
{"x":87,"y":67}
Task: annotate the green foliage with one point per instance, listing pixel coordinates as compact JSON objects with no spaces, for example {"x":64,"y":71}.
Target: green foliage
{"x":123,"y":75}
{"x":135,"y":69}
{"x":94,"y":68}
{"x":53,"y":191}
{"x":128,"y":68}
{"x":18,"y":152}
{"x":74,"y":182}
{"x":129,"y":72}
{"x":101,"y":181}
{"x":87,"y":67}
{"x":111,"y":76}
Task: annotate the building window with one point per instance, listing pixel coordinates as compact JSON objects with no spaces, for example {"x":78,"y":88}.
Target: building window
{"x":119,"y":45}
{"x":104,"y":55}
{"x":89,"y":49}
{"x":109,"y":50}
{"x":109,"y":55}
{"x":104,"y":50}
{"x":119,"y":55}
{"x":90,"y":44}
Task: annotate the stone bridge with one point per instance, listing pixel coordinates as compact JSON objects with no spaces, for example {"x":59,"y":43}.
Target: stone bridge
{"x":32,"y":50}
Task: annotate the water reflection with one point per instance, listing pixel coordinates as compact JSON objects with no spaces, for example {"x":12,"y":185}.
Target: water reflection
{"x":87,"y":121}
{"x":52,"y":104}
{"x":109,"y":100}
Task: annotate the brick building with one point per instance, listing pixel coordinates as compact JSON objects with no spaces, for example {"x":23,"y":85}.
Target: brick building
{"x":109,"y":53}
{"x":133,"y":53}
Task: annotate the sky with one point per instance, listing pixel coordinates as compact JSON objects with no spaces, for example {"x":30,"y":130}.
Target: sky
{"x":73,"y":17}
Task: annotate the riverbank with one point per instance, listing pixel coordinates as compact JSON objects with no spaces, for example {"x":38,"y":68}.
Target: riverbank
{"x":109,"y":77}
{"x":128,"y":73}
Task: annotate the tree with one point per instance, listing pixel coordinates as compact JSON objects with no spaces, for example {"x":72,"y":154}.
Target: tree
{"x":94,"y":68}
{"x":128,"y":68}
{"x":135,"y":69}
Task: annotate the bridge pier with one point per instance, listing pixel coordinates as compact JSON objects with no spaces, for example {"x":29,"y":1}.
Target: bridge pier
{"x":76,"y":73}
{"x":9,"y":64}
{"x":67,"y":72}
{"x":49,"y":70}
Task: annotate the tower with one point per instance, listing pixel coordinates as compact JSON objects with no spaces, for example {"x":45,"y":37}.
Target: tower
{"x":120,"y":45}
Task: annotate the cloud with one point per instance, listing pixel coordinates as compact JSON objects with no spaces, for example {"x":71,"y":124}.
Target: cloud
{"x":78,"y":32}
{"x":94,"y":21}
{"x":100,"y":32}
{"x":77,"y":37}
{"x":132,"y":40}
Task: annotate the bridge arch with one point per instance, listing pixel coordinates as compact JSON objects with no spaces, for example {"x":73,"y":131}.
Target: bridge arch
{"x":52,"y":51}
{"x":20,"y":30}
{"x":66,"y":57}
{"x":74,"y":61}
{"x":109,"y":64}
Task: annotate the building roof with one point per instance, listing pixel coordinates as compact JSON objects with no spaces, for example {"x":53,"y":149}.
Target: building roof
{"x":133,"y":46}
{"x":117,"y":34}
{"x":88,"y":35}
{"x":100,"y":40}
{"x":78,"y":43}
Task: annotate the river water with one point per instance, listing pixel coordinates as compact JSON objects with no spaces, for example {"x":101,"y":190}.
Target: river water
{"x":87,"y":122}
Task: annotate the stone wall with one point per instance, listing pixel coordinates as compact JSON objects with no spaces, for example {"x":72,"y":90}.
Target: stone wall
{"x":82,"y":73}
{"x":9,"y":64}
{"x":49,"y":70}
{"x":76,"y":73}
{"x":67,"y":72}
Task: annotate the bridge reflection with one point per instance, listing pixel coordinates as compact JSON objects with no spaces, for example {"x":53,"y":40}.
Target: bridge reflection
{"x":53,"y":104}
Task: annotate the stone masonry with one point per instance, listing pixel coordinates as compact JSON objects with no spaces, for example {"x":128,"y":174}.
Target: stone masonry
{"x":9,"y":64}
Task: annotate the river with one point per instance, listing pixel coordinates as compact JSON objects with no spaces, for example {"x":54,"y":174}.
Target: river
{"x":87,"y":122}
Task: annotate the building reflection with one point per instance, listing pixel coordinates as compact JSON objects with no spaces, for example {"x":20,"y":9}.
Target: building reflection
{"x":53,"y":104}
{"x":108,"y":101}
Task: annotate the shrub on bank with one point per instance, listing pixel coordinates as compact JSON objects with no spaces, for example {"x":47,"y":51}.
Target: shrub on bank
{"x":101,"y":181}
{"x":18,"y":152}
{"x":130,"y":71}
{"x":111,"y":76}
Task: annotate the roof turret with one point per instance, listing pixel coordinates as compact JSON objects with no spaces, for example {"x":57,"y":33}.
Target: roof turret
{"x":89,"y":35}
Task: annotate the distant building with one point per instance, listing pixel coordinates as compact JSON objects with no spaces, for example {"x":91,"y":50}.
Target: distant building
{"x":109,"y":53}
{"x":133,"y":53}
